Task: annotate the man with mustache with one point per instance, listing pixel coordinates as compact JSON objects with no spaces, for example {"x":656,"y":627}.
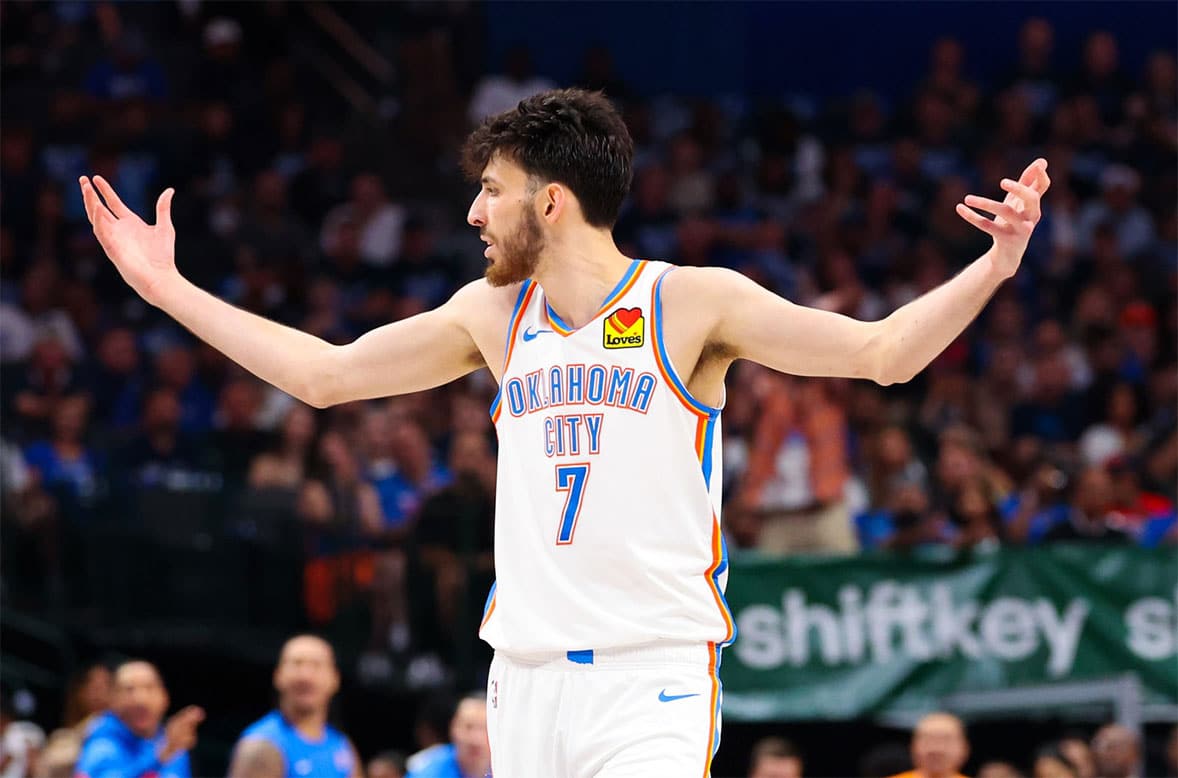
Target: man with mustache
{"x":608,"y":618}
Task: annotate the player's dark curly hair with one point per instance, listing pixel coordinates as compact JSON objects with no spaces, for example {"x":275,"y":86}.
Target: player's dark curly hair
{"x":570,"y":136}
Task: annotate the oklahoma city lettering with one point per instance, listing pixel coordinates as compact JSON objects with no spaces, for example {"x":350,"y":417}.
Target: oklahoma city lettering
{"x":576,"y":434}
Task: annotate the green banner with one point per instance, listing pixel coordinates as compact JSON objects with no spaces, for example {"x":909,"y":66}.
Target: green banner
{"x":861,"y":636}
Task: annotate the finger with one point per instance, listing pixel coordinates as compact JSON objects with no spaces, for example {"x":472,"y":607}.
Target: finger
{"x":981,"y":222}
{"x":163,"y":208}
{"x":1005,"y":210}
{"x":96,"y":212}
{"x":1029,"y":197}
{"x":1044,"y":182}
{"x":112,"y":200}
{"x":1032,"y":171}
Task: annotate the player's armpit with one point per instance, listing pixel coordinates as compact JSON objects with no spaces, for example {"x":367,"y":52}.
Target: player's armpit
{"x":256,"y":758}
{"x":411,"y":355}
{"x":748,"y":321}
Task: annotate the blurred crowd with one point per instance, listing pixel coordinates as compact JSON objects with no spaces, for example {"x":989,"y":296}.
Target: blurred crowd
{"x":1051,"y":418}
{"x":115,"y":723}
{"x":940,"y":748}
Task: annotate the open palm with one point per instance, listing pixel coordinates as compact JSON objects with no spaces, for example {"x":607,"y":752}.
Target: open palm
{"x":144,"y":254}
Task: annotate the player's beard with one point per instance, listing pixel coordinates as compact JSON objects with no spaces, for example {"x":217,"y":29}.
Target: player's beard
{"x":519,"y":254}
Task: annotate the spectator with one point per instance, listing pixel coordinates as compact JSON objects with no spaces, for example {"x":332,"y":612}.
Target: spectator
{"x":236,"y":436}
{"x":39,"y":316}
{"x":455,"y":531}
{"x":117,"y":379}
{"x":175,"y":367}
{"x":975,"y":517}
{"x":998,"y":770}
{"x":775,"y":757}
{"x":88,"y":695}
{"x":269,"y":228}
{"x":417,"y":475}
{"x":1051,"y":763}
{"x":49,"y":379}
{"x":295,"y":739}
{"x":129,"y":73}
{"x":387,"y":764}
{"x":1117,"y":752}
{"x":430,"y":729}
{"x":380,"y":222}
{"x":65,"y":463}
{"x":497,"y":93}
{"x":1035,"y":77}
{"x":422,"y":276}
{"x":287,"y":465}
{"x":161,"y":455}
{"x":797,"y":471}
{"x":469,"y":753}
{"x":1054,"y":412}
{"x":29,"y":518}
{"x":131,"y":741}
{"x":21,"y":743}
{"x":939,"y":747}
{"x":322,"y":184}
{"x":1075,"y":749}
{"x":1130,"y":223}
{"x":1090,"y":518}
{"x":1117,"y":434}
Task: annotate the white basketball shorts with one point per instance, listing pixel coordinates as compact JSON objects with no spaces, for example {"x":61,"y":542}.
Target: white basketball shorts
{"x":651,"y":711}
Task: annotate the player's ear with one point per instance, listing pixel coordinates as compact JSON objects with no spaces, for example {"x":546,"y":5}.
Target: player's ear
{"x":555,"y":199}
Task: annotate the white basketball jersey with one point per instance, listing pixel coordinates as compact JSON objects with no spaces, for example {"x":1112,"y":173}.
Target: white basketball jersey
{"x":607,"y":529}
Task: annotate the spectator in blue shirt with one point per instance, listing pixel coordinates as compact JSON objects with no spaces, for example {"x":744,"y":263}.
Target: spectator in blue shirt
{"x":295,"y":740}
{"x":129,"y":740}
{"x":468,"y":755}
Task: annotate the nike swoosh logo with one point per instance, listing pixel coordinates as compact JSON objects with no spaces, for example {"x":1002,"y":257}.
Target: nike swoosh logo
{"x":664,"y":697}
{"x":529,"y":335}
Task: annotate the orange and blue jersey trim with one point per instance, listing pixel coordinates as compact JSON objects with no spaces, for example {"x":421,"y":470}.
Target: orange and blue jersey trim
{"x":713,"y":744}
{"x":489,"y":605}
{"x":521,"y":304}
{"x":624,"y":285}
{"x":678,"y":388}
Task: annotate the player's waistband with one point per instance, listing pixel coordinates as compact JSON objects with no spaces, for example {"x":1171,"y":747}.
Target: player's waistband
{"x":661,"y":653}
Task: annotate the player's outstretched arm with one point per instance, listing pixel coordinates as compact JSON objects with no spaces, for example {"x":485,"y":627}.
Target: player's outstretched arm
{"x":753,"y":323}
{"x":407,"y":356}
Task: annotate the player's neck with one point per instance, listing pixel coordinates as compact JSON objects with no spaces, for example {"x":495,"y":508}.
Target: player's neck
{"x":309,"y":724}
{"x":578,"y":271}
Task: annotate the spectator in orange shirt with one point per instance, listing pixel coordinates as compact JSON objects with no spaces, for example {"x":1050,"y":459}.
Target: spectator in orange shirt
{"x":939,"y":747}
{"x":797,"y":470}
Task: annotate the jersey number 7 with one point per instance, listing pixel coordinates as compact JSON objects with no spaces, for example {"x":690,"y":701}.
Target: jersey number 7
{"x":570,"y":479}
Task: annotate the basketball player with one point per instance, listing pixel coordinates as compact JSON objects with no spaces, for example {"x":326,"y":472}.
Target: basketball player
{"x":608,"y":617}
{"x":295,"y":740}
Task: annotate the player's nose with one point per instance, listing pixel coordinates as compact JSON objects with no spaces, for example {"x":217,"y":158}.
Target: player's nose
{"x":475,"y":216}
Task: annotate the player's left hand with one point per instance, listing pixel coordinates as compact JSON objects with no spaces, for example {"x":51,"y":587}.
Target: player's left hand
{"x":1014,"y":218}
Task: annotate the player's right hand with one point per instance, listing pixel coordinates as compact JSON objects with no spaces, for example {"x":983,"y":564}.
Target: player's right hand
{"x":145,"y":255}
{"x":180,"y":731}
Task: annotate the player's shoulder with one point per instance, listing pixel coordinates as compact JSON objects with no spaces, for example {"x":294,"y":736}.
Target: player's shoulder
{"x":480,"y":294}
{"x":479,"y":304}
{"x":692,"y":286}
{"x":268,"y":728}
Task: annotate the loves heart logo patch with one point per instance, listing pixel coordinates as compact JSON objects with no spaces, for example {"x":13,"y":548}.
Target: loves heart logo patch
{"x":624,"y":328}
